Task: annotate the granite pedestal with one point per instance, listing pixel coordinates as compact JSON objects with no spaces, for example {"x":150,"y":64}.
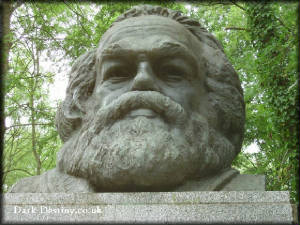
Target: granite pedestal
{"x":150,"y":207}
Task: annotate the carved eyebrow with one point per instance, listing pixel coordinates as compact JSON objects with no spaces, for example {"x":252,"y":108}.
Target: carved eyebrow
{"x":164,"y":49}
{"x":173,"y":48}
{"x":115,"y":50}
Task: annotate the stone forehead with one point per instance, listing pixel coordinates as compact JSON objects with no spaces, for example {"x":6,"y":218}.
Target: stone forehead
{"x":137,"y":29}
{"x":144,"y":25}
{"x":147,"y":20}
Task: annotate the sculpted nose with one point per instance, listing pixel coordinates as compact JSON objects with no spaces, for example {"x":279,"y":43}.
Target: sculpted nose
{"x":144,"y":79}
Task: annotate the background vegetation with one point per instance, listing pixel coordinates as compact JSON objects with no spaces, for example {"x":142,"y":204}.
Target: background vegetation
{"x":260,"y":39}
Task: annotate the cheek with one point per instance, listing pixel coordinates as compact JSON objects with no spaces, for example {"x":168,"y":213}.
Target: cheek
{"x":106,"y":93}
{"x":186,"y":95}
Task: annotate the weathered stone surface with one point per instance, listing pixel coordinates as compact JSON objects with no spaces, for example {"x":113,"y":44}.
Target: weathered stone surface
{"x":226,"y":180}
{"x":156,"y":107}
{"x":246,"y":182}
{"x":161,"y":207}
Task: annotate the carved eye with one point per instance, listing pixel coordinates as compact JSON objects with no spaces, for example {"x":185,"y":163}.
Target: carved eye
{"x":171,"y":73}
{"x":118,"y":74}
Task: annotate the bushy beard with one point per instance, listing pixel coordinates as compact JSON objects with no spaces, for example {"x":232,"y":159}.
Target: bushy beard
{"x":119,"y":153}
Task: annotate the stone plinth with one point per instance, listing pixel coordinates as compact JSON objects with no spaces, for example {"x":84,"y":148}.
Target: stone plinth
{"x":146,"y":207}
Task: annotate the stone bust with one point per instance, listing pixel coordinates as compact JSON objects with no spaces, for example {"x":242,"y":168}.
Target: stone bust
{"x":156,"y":107}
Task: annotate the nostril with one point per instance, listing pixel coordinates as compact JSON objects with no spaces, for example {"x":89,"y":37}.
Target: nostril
{"x":144,"y":85}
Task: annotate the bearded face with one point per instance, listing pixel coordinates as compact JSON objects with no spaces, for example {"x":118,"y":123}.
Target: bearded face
{"x":146,"y":125}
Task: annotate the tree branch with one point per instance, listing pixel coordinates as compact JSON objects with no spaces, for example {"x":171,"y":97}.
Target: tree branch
{"x":80,"y":15}
{"x":25,"y":171}
{"x":233,"y":2}
{"x":27,"y":124}
{"x":278,"y":19}
{"x":247,"y":157}
{"x":236,"y":28}
{"x":282,"y":24}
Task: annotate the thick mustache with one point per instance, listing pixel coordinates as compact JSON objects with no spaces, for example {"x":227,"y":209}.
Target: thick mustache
{"x":162,"y":105}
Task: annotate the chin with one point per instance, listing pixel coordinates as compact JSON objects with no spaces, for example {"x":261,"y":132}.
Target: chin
{"x":139,"y":154}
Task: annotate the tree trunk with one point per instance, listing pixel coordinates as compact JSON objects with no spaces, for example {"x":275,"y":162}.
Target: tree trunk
{"x":33,"y":137}
{"x":35,"y":56}
{"x":7,"y":10}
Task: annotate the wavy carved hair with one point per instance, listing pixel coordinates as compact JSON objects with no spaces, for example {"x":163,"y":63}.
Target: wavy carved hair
{"x":226,"y":108}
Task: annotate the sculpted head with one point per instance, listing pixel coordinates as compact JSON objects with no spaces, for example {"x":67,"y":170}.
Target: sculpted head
{"x":156,"y":104}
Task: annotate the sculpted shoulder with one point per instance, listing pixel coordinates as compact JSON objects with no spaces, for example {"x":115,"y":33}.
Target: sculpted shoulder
{"x":246,"y":182}
{"x":27,"y":185}
{"x":227,"y":180}
{"x":51,"y":181}
{"x":54,"y":181}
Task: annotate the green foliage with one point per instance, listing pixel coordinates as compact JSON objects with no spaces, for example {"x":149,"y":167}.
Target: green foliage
{"x":31,"y":140}
{"x":259,"y":39}
{"x":275,"y":44}
{"x":263,"y":50}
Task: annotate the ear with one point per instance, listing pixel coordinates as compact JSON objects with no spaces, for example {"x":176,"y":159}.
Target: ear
{"x":68,"y":119}
{"x":81,"y":80}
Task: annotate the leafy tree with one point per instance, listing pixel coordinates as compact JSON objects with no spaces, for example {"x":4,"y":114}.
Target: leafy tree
{"x":30,"y":139}
{"x":276,"y":61}
{"x":263,"y":49}
{"x":261,"y":45}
